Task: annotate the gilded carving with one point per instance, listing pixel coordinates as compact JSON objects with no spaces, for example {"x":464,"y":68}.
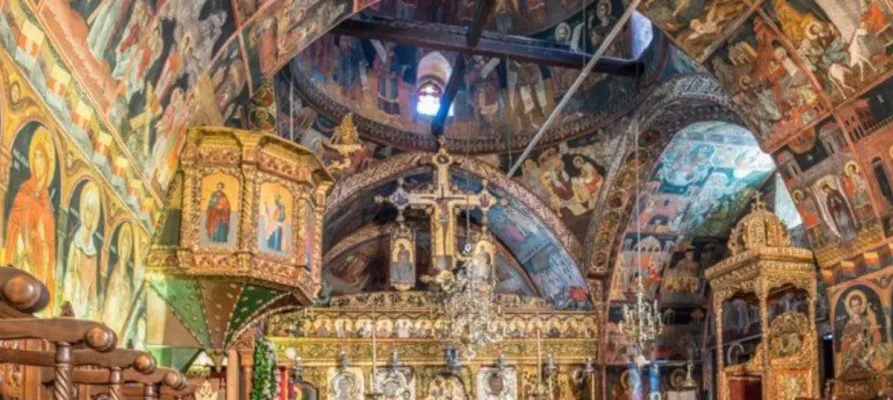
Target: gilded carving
{"x":762,"y":261}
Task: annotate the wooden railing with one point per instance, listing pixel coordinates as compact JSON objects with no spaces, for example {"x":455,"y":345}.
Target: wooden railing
{"x":73,"y":352}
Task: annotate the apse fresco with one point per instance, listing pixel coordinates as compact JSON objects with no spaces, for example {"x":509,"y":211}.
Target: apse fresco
{"x":702,"y":183}
{"x":546,"y":261}
{"x":364,"y":267}
{"x":62,"y":221}
{"x":378,"y":81}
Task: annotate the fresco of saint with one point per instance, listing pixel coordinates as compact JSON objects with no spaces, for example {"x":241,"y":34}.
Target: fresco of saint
{"x":119,"y":288}
{"x":218,"y":216}
{"x":839,"y":212}
{"x":861,"y":333}
{"x":81,"y":284}
{"x":31,"y":228}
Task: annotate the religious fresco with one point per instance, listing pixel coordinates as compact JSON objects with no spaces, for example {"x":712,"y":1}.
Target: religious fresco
{"x":352,"y":272}
{"x":860,"y":322}
{"x":67,"y":102}
{"x":845,"y":45}
{"x":82,"y":252}
{"x":517,"y":17}
{"x":757,"y":69}
{"x":569,"y":177}
{"x":275,"y":35}
{"x":695,"y":26}
{"x":124,"y":78}
{"x":682,"y":281}
{"x":61,"y":220}
{"x":865,"y":120}
{"x":31,"y":214}
{"x":860,"y":328}
{"x":586,"y":30}
{"x":836,"y":208}
{"x":547,"y":262}
{"x":120,"y":279}
{"x":337,"y":143}
{"x":378,"y":82}
{"x":702,"y":182}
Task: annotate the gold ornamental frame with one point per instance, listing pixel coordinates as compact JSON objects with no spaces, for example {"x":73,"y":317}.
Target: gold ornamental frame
{"x":762,"y":261}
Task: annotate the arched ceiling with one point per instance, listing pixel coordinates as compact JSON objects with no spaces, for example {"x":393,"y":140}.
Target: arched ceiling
{"x":700,"y":186}
{"x":126,"y":78}
{"x":501,"y":102}
{"x":531,"y":233}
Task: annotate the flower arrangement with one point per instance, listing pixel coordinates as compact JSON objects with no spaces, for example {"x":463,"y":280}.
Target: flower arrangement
{"x":265,"y":383}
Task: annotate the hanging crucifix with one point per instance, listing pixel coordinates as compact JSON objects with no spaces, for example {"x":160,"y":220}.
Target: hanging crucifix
{"x":443,"y":202}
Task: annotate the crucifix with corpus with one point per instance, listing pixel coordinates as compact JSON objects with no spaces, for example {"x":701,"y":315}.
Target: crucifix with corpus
{"x":443,"y":202}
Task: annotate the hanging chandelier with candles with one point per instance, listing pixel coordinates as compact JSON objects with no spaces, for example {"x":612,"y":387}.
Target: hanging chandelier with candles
{"x":641,"y":323}
{"x":472,"y":310}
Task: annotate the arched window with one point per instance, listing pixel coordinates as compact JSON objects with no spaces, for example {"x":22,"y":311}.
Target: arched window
{"x":428,"y":98}
{"x":433,"y":73}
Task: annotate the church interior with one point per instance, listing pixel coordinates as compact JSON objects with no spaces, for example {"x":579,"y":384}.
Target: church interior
{"x":446,"y":199}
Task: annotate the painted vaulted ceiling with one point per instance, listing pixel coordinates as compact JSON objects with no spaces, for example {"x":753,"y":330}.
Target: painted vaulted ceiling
{"x":809,"y":78}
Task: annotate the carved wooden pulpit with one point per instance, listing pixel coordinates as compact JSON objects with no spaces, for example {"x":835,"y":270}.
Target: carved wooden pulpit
{"x":763,"y":264}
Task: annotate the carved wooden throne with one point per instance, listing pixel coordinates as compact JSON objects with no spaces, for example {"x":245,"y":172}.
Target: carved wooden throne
{"x":763,"y":264}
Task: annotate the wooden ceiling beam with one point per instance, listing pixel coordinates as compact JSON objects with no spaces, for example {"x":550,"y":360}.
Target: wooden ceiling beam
{"x":472,"y":38}
{"x":490,"y":44}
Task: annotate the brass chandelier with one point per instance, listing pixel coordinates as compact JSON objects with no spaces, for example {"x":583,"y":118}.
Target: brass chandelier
{"x":472,"y":310}
{"x":641,"y":323}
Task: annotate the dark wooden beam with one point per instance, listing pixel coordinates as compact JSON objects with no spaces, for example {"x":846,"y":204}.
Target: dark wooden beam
{"x":449,"y":94}
{"x":472,"y":37}
{"x":490,"y":44}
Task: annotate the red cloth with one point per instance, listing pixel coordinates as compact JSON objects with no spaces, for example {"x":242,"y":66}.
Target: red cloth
{"x":285,"y":385}
{"x":745,"y":389}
